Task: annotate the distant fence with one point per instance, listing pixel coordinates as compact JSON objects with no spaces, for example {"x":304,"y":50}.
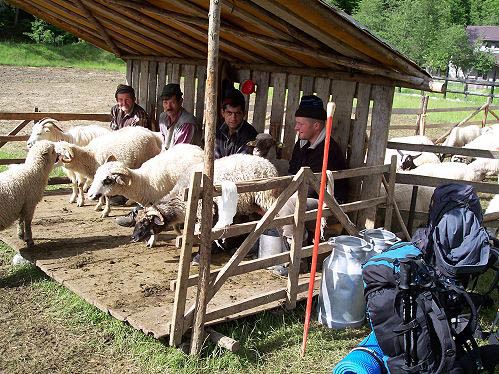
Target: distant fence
{"x":492,"y":84}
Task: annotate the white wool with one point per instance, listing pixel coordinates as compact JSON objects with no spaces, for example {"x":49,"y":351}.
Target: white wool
{"x":19,"y":260}
{"x":227,"y":204}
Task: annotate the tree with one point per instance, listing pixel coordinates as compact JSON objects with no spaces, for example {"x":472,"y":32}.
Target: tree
{"x":484,"y":12}
{"x":347,"y":6}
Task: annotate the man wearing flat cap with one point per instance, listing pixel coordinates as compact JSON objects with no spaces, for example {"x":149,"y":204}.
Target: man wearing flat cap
{"x":310,"y":124}
{"x":233,"y":134}
{"x":127,"y":112}
{"x":176,"y":124}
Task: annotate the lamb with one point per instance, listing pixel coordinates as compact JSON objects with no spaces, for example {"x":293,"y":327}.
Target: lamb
{"x":130,"y":145}
{"x":21,"y":189}
{"x":149,"y":183}
{"x":265,"y":146}
{"x":451,"y":170}
{"x":47,"y":129}
{"x":171,"y":209}
{"x":485,"y":166}
{"x":407,"y":160}
{"x":488,"y":141}
{"x":403,"y":193}
{"x":461,"y":136}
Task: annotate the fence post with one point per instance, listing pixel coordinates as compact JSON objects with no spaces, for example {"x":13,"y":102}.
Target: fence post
{"x":422,"y":122}
{"x":446,"y":81}
{"x":486,"y":112}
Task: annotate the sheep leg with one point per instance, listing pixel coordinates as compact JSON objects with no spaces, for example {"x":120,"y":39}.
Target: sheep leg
{"x":28,"y":236}
{"x":99,"y":204}
{"x":87,"y":184}
{"x":20,"y":229}
{"x":81,"y":195}
{"x":107,"y":209}
{"x":74,"y":195}
{"x":151,"y":241}
{"x":176,"y":228}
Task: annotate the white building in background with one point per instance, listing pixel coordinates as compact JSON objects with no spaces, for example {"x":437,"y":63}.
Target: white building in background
{"x":489,"y":38}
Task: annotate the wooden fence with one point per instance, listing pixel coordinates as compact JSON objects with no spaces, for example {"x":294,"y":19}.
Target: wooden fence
{"x":182,"y":319}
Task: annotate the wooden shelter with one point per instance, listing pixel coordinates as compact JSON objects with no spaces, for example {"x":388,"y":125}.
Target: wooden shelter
{"x":288,"y":48}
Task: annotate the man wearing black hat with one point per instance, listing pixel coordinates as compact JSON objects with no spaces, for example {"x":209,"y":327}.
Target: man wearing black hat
{"x":234,"y":133}
{"x":310,"y":124}
{"x":127,"y":112}
{"x":176,"y":124}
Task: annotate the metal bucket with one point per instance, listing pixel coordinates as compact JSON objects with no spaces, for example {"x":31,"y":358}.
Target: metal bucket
{"x":380,"y":238}
{"x":271,"y":243}
{"x":341,"y":298}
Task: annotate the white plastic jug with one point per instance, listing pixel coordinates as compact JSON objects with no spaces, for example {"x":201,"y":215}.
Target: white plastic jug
{"x":341,"y":297}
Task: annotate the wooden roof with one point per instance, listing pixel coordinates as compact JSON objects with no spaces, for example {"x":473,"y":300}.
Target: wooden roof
{"x":285,"y":34}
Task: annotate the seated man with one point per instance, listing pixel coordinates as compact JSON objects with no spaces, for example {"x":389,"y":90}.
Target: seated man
{"x":127,"y":112}
{"x":234,"y":133}
{"x":176,"y":124}
{"x":310,"y":121}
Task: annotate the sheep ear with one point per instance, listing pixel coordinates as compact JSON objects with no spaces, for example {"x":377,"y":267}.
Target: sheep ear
{"x":111,"y":158}
{"x":123,"y":179}
{"x":156,"y":216}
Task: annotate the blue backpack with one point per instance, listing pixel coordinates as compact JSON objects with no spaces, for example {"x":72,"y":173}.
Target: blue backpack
{"x":406,"y":313}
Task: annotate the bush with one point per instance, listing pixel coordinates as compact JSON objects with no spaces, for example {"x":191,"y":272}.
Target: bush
{"x":44,"y":33}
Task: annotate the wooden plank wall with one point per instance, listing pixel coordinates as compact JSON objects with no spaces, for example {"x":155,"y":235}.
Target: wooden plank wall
{"x":274,"y":103}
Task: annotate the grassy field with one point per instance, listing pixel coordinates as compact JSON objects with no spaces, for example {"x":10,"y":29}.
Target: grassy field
{"x":79,"y":55}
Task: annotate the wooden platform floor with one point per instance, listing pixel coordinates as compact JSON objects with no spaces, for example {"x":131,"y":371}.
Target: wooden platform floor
{"x":94,"y":258}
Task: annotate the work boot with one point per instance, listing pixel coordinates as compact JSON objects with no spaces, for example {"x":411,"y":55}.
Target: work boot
{"x":129,"y":219}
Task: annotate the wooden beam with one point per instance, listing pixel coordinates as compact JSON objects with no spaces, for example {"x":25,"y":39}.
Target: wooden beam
{"x":397,"y":211}
{"x":99,"y":27}
{"x":13,"y":138}
{"x":423,"y":180}
{"x":484,"y":153}
{"x":223,"y":341}
{"x":390,"y":193}
{"x":36,"y":116}
{"x":15,"y":130}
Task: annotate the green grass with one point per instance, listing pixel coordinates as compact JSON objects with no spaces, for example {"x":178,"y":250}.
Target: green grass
{"x":79,"y":55}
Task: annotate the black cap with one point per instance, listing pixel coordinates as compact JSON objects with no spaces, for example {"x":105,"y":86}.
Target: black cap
{"x":171,"y":89}
{"x":311,"y":106}
{"x":234,"y":97}
{"x":123,"y":88}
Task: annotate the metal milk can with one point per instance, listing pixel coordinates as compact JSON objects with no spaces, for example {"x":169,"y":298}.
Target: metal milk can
{"x":380,"y":238}
{"x":341,"y":297}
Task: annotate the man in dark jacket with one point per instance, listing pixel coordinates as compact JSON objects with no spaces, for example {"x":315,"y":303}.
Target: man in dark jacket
{"x":234,"y":133}
{"x":310,"y":120}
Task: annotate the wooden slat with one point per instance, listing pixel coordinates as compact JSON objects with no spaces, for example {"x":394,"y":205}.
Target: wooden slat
{"x":16,"y":129}
{"x":152,"y":87}
{"x":58,"y":180}
{"x":143,"y":82}
{"x":201,"y":79}
{"x":177,"y":324}
{"x":135,"y":75}
{"x":390,"y":193}
{"x":262,"y":93}
{"x":423,"y":180}
{"x":189,"y":74}
{"x":307,"y":85}
{"x":383,"y":99}
{"x":278,"y":101}
{"x":129,"y":72}
{"x":173,"y":71}
{"x":343,"y":93}
{"x":322,"y":89}
{"x":444,"y":125}
{"x":7,"y":161}
{"x":289,"y":122}
{"x":358,"y":142}
{"x":443,"y":149}
{"x":13,"y":138}
{"x":36,"y":116}
{"x":160,"y":84}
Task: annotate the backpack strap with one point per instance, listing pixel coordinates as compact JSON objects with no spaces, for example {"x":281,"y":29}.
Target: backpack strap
{"x":442,"y":330}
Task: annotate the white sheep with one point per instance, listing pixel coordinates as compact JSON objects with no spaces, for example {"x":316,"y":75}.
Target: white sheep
{"x":131,"y":145}
{"x":460,"y":136}
{"x":485,"y":166}
{"x":21,"y":189}
{"x":149,"y":183}
{"x":487,"y":141}
{"x":171,"y":209}
{"x":403,"y":194}
{"x":47,"y":129}
{"x":450,"y":170}
{"x":265,"y":146}
{"x":407,"y":160}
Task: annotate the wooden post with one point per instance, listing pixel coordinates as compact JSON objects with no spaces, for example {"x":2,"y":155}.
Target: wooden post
{"x":397,"y":211}
{"x":295,"y":252}
{"x":486,"y":112}
{"x":390,"y":193}
{"x":412,"y":209}
{"x":446,"y":81}
{"x":493,"y":86}
{"x":422,"y":121}
{"x":177,"y":324}
{"x":209,"y":141}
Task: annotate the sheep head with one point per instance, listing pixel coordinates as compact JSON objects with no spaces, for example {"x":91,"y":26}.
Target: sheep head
{"x":264,"y":146}
{"x":65,"y":152}
{"x":155,"y":219}
{"x":408,"y":162}
{"x":43,"y":130}
{"x":108,"y":180}
{"x":43,"y":151}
